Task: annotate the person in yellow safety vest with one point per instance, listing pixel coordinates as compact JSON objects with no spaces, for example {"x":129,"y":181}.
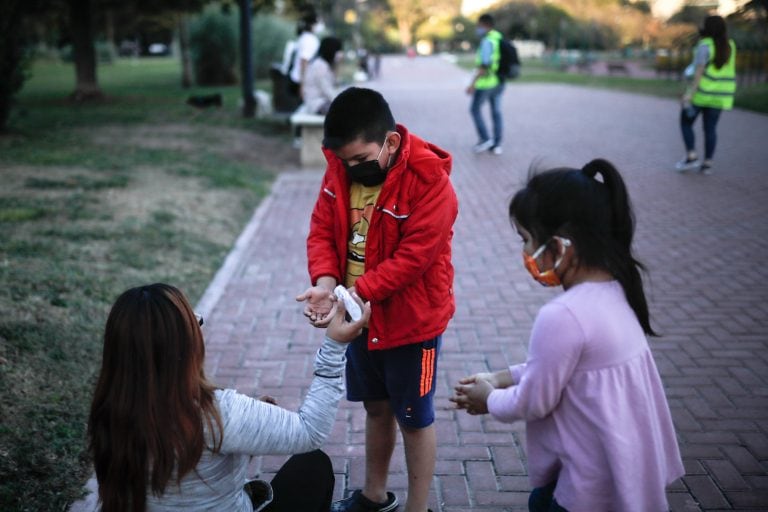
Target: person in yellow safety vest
{"x":486,"y":86}
{"x":711,"y":91}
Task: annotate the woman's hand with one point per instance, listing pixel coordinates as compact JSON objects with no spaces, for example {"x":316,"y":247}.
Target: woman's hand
{"x":320,"y":305}
{"x":339,"y":329}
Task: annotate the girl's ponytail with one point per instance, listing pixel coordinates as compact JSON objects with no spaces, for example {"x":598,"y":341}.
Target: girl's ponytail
{"x":620,"y":260}
{"x":622,"y":219}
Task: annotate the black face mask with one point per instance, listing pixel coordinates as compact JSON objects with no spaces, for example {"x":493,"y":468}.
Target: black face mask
{"x":368,"y":173}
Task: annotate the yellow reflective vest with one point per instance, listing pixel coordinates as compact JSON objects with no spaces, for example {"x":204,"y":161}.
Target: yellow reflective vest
{"x":717,"y":86}
{"x":490,"y":79}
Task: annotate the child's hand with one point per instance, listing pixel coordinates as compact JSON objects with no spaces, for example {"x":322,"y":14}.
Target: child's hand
{"x":486,"y":376}
{"x":343,"y":331}
{"x":472,"y":394}
{"x":319,"y":308}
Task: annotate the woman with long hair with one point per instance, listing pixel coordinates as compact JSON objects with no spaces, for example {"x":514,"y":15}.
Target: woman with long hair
{"x":711,"y":91}
{"x":320,"y":81}
{"x":163,"y":437}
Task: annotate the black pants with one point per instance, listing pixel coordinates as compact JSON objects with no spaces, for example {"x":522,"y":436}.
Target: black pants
{"x":293,"y":88}
{"x":305,"y":482}
{"x":542,"y":499}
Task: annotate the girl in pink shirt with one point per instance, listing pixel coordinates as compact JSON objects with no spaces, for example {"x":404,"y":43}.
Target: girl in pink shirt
{"x":599,"y":432}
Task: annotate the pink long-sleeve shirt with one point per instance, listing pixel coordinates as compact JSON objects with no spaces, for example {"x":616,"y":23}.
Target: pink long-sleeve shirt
{"x":597,"y":417}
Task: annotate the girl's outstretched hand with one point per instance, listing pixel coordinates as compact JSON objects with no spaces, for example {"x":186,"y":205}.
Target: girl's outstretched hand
{"x":471,"y":393}
{"x":343,"y":331}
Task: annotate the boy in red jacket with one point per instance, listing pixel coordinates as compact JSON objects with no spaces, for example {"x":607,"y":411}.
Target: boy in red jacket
{"x":382,"y":226}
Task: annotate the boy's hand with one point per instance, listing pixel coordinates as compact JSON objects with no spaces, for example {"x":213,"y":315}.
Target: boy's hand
{"x":343,"y":331}
{"x":472,"y":393}
{"x":320,"y":305}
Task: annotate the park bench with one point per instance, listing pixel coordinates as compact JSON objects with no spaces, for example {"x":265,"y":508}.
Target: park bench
{"x":311,"y":154}
{"x":617,"y":67}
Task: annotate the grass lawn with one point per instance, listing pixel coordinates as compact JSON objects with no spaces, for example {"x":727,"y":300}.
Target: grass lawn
{"x":96,"y":198}
{"x":752,"y":97}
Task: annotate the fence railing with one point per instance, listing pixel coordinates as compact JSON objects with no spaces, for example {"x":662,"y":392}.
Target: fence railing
{"x":751,"y":65}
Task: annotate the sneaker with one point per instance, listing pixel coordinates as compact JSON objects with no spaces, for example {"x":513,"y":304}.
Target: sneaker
{"x":359,"y":503}
{"x":496,"y":150}
{"x":482,"y":146}
{"x":706,"y":168}
{"x":687,"y":164}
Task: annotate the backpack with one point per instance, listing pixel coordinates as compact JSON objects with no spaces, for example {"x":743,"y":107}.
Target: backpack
{"x":509,"y":64}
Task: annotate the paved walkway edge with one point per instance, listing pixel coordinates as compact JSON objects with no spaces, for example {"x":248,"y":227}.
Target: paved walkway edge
{"x":232,"y":262}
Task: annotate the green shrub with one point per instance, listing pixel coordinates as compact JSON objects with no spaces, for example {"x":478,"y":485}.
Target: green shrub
{"x":268,"y":39}
{"x":213,"y":45}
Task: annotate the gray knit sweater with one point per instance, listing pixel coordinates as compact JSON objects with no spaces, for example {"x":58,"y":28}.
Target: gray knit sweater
{"x":253,"y":427}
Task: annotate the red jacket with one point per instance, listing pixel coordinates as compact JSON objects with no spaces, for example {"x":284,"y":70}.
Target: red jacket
{"x":408,"y":272}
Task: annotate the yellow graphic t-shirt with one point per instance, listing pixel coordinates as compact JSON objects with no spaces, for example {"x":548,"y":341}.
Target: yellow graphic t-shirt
{"x":362,"y":199}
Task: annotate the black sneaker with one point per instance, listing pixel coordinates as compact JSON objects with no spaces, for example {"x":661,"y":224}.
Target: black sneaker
{"x":359,"y":503}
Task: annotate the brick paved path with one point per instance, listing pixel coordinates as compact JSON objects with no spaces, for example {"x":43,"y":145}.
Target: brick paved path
{"x":704,"y":240}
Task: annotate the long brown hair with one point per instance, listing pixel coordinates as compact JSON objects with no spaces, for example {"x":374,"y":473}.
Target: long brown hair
{"x":151,"y":399}
{"x":714,"y":27}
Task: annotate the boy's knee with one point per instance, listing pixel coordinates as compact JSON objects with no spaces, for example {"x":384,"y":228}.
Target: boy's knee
{"x":411,"y":430}
{"x":378,"y":409}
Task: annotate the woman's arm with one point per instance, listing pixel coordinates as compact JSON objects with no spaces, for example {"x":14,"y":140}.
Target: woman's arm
{"x":255,"y":427}
{"x":700,"y":61}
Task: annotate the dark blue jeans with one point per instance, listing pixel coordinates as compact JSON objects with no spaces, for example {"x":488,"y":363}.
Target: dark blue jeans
{"x":493,"y":97}
{"x":711,"y":116}
{"x":542,"y":499}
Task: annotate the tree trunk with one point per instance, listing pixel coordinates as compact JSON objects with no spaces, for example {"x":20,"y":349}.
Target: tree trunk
{"x":246,"y":62}
{"x":186,"y":57}
{"x":84,"y":51}
{"x":406,"y":35}
{"x":11,"y":57}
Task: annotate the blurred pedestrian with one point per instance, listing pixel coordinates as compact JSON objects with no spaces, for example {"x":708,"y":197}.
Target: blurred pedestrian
{"x":320,"y":80}
{"x":711,"y":91}
{"x":487,"y":87}
{"x":307,"y":45}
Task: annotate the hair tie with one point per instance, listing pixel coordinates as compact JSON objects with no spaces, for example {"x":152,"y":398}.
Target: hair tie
{"x":593,"y":168}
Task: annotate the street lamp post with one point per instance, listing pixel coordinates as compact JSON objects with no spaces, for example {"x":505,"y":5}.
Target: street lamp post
{"x":246,"y":60}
